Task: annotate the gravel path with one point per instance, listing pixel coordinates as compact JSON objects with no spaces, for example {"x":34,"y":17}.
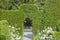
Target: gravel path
{"x":27,"y":36}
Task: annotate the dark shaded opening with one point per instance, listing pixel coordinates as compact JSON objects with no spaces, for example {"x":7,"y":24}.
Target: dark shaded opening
{"x":27,"y":23}
{"x":42,"y":4}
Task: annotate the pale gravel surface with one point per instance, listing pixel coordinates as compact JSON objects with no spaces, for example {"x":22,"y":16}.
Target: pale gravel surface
{"x":27,"y":36}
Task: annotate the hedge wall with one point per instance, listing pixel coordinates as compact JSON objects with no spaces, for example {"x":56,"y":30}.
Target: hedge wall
{"x":52,"y":15}
{"x":13,"y":17}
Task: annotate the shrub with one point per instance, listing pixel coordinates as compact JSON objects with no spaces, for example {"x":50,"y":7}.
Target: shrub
{"x":57,"y":35}
{"x":2,"y":37}
{"x":4,"y":29}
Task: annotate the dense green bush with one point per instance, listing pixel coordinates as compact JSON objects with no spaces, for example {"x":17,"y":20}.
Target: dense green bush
{"x":2,"y":37}
{"x":52,"y":15}
{"x":4,"y":29}
{"x":57,"y":35}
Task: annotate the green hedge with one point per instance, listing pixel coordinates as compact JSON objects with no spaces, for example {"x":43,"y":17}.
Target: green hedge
{"x":32,"y":11}
{"x":13,"y":17}
{"x":52,"y":14}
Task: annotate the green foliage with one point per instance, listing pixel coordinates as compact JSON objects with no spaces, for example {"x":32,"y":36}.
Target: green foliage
{"x":15,"y":4}
{"x":9,"y":4}
{"x":35,"y":37}
{"x":57,"y":35}
{"x":4,"y":4}
{"x":13,"y":17}
{"x":2,"y":37}
{"x":52,"y":15}
{"x":4,"y":29}
{"x":34,"y":14}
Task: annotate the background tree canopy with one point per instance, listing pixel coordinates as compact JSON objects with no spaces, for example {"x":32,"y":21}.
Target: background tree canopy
{"x":14,"y":4}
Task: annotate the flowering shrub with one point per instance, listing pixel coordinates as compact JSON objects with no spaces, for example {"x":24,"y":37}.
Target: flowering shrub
{"x":47,"y":34}
{"x":15,"y":34}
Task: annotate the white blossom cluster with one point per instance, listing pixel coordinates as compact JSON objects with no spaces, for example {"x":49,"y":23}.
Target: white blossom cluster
{"x":46,"y":34}
{"x":14,"y":36}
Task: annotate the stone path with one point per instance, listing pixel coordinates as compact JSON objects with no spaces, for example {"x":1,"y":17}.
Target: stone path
{"x":27,"y":36}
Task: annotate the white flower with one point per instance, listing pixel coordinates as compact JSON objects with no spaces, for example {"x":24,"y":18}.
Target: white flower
{"x":48,"y":31}
{"x":18,"y":37}
{"x":12,"y":27}
{"x":43,"y":30}
{"x":42,"y":37}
